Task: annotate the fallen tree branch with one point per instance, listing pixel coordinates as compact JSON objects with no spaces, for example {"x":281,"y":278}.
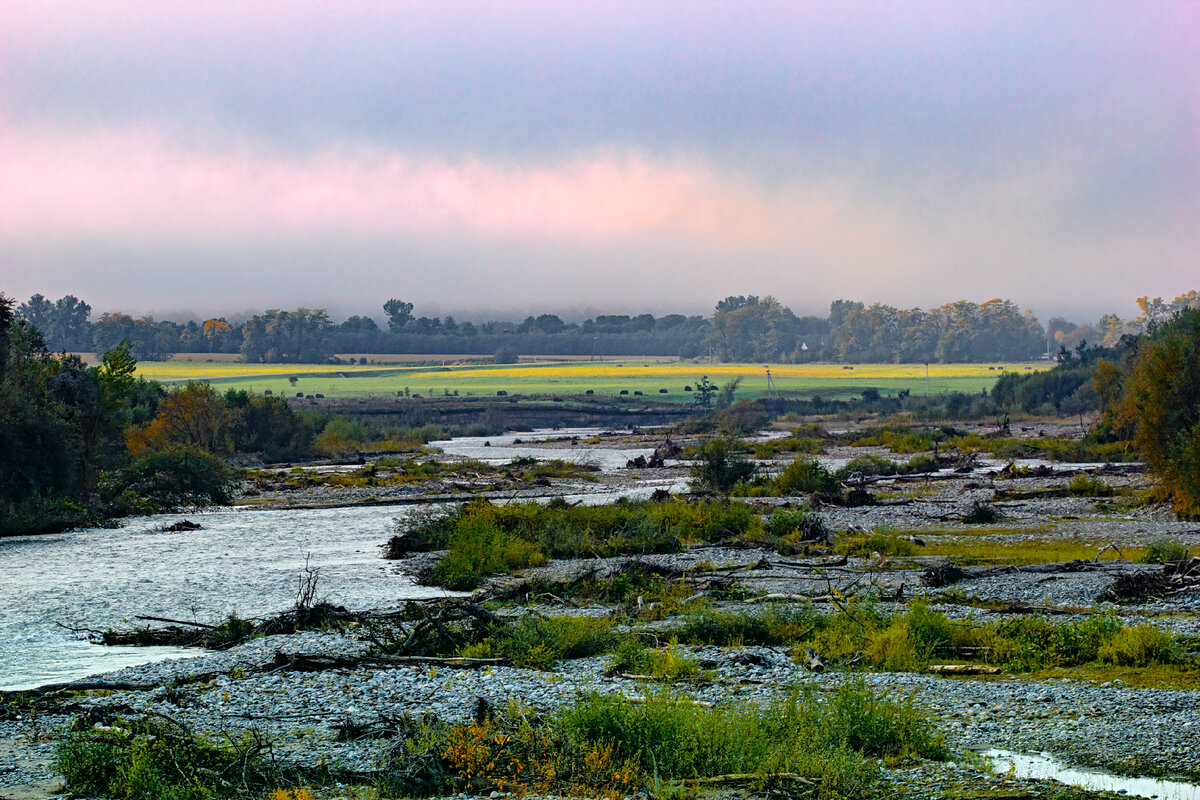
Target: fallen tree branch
{"x":177,"y":622}
{"x":963,"y":669}
{"x":766,"y":778}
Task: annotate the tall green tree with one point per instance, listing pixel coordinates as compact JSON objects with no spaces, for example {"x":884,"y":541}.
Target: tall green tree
{"x":1163,"y":395}
{"x":399,"y":313}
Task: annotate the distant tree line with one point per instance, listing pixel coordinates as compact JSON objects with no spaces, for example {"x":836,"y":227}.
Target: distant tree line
{"x":741,"y":328}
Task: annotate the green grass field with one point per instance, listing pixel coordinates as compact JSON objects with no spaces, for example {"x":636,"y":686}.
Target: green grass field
{"x":574,"y":378}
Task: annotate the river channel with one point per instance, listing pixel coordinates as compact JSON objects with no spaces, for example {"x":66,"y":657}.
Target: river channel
{"x":241,"y":561}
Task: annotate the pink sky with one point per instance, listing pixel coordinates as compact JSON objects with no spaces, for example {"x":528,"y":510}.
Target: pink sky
{"x":621,"y":156}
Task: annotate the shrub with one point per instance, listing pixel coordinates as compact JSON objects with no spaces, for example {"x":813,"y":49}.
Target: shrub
{"x":1088,"y":486}
{"x":664,"y":663}
{"x":484,"y":538}
{"x":796,"y":523}
{"x":869,"y":465}
{"x":920,"y":463}
{"x":804,"y":476}
{"x":773,"y":625}
{"x":1141,"y":646}
{"x":479,"y":547}
{"x":909,"y":640}
{"x":883,"y":540}
{"x":791,"y":444}
{"x":538,"y":642}
{"x":878,"y":726}
{"x":899,"y":440}
{"x":179,"y":477}
{"x":743,"y":418}
{"x":981,"y":513}
{"x":1165,"y":550}
{"x":1163,"y":395}
{"x":145,"y":759}
{"x":1026,"y":643}
{"x":895,"y":649}
{"x":718,"y":468}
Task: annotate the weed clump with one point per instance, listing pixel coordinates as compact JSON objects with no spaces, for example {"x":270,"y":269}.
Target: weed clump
{"x":796,"y":525}
{"x":804,"y":476}
{"x":1141,"y":646}
{"x":1165,"y":550}
{"x":144,"y":759}
{"x":883,"y":541}
{"x":869,"y":465}
{"x":981,"y":513}
{"x":1088,"y":486}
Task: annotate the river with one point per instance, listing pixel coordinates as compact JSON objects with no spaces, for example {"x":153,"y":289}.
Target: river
{"x":241,"y":561}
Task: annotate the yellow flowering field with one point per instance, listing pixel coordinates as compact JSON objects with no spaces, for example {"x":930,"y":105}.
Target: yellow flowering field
{"x":604,"y":378}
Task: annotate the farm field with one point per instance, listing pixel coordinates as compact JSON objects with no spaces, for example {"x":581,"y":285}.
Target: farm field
{"x":571,"y":378}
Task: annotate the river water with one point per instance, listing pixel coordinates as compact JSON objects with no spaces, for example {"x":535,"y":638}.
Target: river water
{"x":243,"y":561}
{"x":1043,"y":766}
{"x":240,"y":561}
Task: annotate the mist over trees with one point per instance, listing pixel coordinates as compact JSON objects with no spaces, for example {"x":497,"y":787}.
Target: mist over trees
{"x":741,"y":329}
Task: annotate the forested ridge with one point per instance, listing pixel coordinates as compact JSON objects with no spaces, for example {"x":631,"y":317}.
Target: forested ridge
{"x":740,"y":329}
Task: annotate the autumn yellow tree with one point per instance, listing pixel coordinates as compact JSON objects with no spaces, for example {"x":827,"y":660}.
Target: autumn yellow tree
{"x":194,"y":416}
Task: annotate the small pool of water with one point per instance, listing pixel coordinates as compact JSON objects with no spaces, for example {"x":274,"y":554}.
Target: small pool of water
{"x":1043,"y":766}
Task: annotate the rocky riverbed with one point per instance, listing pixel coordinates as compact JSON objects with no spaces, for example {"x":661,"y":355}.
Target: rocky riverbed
{"x":1139,"y":731}
{"x":1098,"y":721}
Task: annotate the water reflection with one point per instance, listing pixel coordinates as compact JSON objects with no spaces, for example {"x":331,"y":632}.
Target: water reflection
{"x":1042,"y":766}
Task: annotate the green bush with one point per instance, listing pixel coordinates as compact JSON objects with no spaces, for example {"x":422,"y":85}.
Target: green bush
{"x":1028,"y":643}
{"x":899,"y":440}
{"x":179,"y":477}
{"x":483,"y":538}
{"x":771,"y":625}
{"x":920,"y":463}
{"x":798,"y":734}
{"x":981,"y":513}
{"x":145,"y":759}
{"x":1141,"y":646}
{"x":478,"y":547}
{"x":663,"y":663}
{"x":883,"y":540}
{"x":869,"y":465}
{"x":1162,"y":399}
{"x":804,"y":476}
{"x":538,"y":642}
{"x":800,"y":523}
{"x":1165,"y":550}
{"x":1088,"y":486}
{"x":791,"y":444}
{"x":718,"y":468}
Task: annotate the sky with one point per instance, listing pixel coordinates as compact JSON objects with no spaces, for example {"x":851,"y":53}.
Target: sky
{"x":510,"y":157}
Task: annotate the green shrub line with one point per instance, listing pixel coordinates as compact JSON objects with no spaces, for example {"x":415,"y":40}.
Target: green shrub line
{"x":855,"y":633}
{"x":483,"y":538}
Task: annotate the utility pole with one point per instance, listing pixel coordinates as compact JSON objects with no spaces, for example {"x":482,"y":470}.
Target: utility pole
{"x":927,"y":379}
{"x":771,"y":393}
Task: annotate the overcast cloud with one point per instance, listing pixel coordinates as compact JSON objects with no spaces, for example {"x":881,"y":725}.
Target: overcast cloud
{"x":612,"y":156}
